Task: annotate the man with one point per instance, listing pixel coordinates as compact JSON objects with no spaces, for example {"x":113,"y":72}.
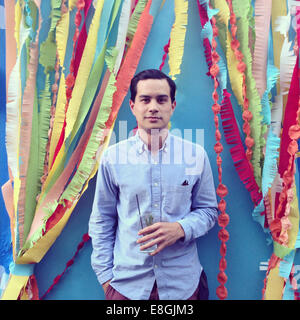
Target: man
{"x":166,"y":176}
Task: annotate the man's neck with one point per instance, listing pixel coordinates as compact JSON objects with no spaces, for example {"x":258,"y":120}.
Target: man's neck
{"x":154,"y":138}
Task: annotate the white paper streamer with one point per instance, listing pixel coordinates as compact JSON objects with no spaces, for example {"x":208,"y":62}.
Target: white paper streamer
{"x":122,"y":31}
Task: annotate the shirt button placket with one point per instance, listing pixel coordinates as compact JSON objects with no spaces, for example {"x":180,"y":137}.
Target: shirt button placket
{"x":155,"y":184}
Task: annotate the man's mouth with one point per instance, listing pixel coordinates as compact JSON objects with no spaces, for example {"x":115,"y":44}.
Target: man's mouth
{"x":153,"y":118}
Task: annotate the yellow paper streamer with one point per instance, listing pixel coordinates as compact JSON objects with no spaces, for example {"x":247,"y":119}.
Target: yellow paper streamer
{"x":275,"y":285}
{"x":14,"y":286}
{"x":177,"y":37}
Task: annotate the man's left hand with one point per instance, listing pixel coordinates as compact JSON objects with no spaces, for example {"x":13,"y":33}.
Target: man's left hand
{"x":162,"y":233}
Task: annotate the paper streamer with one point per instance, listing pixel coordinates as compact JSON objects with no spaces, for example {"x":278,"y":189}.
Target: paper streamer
{"x":177,"y":37}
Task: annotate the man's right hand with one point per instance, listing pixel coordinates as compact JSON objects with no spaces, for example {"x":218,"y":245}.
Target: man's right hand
{"x":105,"y":285}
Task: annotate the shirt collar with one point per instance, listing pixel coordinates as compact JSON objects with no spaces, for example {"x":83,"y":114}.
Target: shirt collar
{"x":141,"y":145}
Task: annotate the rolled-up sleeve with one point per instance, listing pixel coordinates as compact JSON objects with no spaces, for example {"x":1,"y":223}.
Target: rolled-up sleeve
{"x":103,"y":222}
{"x":204,"y":212}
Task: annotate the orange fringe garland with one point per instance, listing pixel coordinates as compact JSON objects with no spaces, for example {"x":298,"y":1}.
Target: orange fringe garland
{"x":222,"y":191}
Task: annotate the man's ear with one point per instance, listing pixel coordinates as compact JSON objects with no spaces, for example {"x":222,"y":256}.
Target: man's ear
{"x":173,"y":105}
{"x":131,"y":103}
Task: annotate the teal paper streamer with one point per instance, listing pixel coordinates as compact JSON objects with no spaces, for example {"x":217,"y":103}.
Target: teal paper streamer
{"x":272,"y":76}
{"x":270,"y":168}
{"x":286,"y":264}
{"x":297,"y":243}
{"x":289,"y":293}
{"x":270,"y":164}
{"x":21,"y":269}
{"x":103,"y":28}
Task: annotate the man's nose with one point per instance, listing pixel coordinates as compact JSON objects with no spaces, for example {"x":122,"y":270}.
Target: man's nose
{"x":153,"y":106}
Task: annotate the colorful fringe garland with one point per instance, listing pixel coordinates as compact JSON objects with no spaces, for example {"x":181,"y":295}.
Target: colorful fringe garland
{"x":59,"y":116}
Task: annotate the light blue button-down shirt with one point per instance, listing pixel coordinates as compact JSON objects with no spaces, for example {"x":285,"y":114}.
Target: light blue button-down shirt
{"x":175,"y":185}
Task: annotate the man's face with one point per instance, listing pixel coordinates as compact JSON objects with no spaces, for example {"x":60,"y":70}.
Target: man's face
{"x":152,"y":107}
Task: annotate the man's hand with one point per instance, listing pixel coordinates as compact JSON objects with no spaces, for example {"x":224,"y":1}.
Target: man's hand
{"x":105,"y":285}
{"x":162,"y":233}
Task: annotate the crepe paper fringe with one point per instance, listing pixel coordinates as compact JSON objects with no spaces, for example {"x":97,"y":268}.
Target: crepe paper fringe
{"x":26,"y":128}
{"x":241,"y":163}
{"x":82,"y":36}
{"x":62,"y":32}
{"x":262,"y":23}
{"x":13,"y":130}
{"x":122,"y":32}
{"x":177,"y":37}
{"x":287,"y":193}
{"x":54,"y":90}
{"x":260,"y":56}
{"x":270,"y":168}
{"x":13,"y":106}
{"x":135,"y":18}
{"x":85,"y":239}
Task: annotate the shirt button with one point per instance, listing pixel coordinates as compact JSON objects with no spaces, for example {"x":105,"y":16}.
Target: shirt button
{"x":155,"y":184}
{"x":155,"y":266}
{"x":155,"y":204}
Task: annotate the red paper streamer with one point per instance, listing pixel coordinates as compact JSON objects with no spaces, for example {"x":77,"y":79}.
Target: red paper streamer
{"x":288,"y":150}
{"x":240,"y":161}
{"x":166,"y":50}
{"x":85,"y":239}
{"x":82,"y":38}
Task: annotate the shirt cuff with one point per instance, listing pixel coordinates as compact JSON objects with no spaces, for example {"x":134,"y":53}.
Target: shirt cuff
{"x":105,"y":276}
{"x":187,"y":230}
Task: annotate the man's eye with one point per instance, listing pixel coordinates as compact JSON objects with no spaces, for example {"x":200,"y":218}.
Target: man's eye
{"x":163,"y":100}
{"x":146,"y":100}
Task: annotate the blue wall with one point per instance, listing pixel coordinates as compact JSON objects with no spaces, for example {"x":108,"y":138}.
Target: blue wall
{"x":247,"y":247}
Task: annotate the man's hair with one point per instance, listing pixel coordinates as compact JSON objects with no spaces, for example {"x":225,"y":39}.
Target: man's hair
{"x":151,"y":74}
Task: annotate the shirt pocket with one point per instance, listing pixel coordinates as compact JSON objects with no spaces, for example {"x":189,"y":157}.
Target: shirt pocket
{"x":177,"y":199}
